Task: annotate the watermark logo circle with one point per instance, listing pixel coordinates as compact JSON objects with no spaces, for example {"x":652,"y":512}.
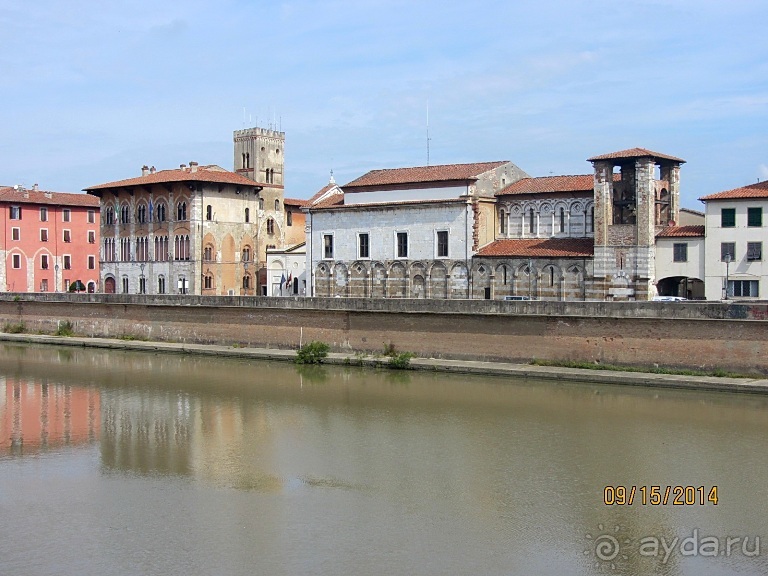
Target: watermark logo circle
{"x":607,"y":548}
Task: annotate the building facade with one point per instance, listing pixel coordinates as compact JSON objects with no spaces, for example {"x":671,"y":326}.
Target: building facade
{"x":50,"y":241}
{"x":403,"y":233}
{"x":736,"y":231}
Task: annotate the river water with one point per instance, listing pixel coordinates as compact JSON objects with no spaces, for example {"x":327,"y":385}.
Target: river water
{"x":138,"y":463}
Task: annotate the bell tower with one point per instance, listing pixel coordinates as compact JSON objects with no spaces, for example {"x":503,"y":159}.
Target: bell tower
{"x":259,"y":155}
{"x":632,"y":205}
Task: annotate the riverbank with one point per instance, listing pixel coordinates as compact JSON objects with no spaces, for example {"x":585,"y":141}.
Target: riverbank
{"x":501,"y":369}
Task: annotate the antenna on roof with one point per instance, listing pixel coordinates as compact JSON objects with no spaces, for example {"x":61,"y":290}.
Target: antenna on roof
{"x":427,"y":131}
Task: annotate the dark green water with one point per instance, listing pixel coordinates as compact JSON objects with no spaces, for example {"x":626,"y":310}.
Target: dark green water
{"x":135,"y":463}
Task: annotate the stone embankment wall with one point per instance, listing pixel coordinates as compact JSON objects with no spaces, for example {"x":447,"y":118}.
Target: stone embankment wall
{"x":707,"y":335}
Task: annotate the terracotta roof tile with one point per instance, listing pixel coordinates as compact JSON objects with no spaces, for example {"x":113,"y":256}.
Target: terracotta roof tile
{"x":294,"y":202}
{"x":341,"y":206}
{"x":541,"y":248}
{"x":634,"y":153}
{"x":417,"y":174}
{"x":577,"y":183}
{"x":202,"y":174}
{"x":759,"y":190}
{"x":324,"y":197}
{"x":681,"y":232}
{"x":8,"y":194}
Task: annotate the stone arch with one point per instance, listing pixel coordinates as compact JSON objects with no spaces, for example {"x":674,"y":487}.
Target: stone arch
{"x":526,"y":280}
{"x":551,"y":282}
{"x":378,"y":280}
{"x":438,"y":277}
{"x":110,"y":284}
{"x":504,"y":280}
{"x":396,"y":285}
{"x":458,"y":286}
{"x":417,"y":274}
{"x":323,"y":280}
{"x":358,"y":279}
{"x":574,"y":285}
{"x":481,"y":280}
{"x":340,"y":283}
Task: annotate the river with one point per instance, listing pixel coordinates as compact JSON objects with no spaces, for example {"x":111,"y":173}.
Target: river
{"x":122,"y":463}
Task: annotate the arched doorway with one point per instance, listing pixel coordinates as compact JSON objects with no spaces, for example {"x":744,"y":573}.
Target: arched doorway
{"x":682,"y":287}
{"x":109,"y":285}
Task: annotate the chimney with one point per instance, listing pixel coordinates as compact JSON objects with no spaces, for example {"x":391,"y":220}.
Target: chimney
{"x":34,"y":187}
{"x":193,"y":166}
{"x":182,"y":167}
{"x":144,"y":170}
{"x":152,"y":170}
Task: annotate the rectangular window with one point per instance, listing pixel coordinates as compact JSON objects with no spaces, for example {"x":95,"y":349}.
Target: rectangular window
{"x":43,"y":214}
{"x":16,"y":261}
{"x":91,"y":262}
{"x":44,"y":262}
{"x":728,"y":217}
{"x":67,"y":262}
{"x":66,"y":214}
{"x":744,"y":288}
{"x":44,"y":285}
{"x":91,"y":216}
{"x":328,"y":245}
{"x":755,"y":217}
{"x":728,"y":249}
{"x":680,"y":252}
{"x":402,"y":244}
{"x":67,"y":236}
{"x":91,"y":237}
{"x":754,"y":251}
{"x":15,"y":212}
{"x":363,"y":248}
{"x":442,"y":244}
{"x":16,"y":233}
{"x":43,"y":235}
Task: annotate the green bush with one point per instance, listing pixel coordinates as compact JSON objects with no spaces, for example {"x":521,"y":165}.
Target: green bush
{"x":312,"y":353}
{"x":401,"y":360}
{"x":65,"y":329}
{"x":15,"y":328}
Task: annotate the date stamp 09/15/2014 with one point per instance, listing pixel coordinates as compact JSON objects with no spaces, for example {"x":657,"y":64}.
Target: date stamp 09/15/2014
{"x":660,"y":495}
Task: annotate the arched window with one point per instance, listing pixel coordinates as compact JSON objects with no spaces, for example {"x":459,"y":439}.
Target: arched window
{"x":181,"y":211}
{"x":141,"y":214}
{"x":531,"y":221}
{"x":289,"y":218}
{"x":247,"y":159}
{"x":551,"y":276}
{"x":246,"y":281}
{"x":208,"y":253}
{"x":261,"y":203}
{"x":247,"y":214}
{"x":161,"y":284}
{"x":277,"y":205}
{"x":125,"y":216}
{"x":109,"y":216}
{"x":246,"y":254}
{"x":270,"y":226}
{"x":562,"y":220}
{"x":243,"y":165}
{"x":161,"y":212}
{"x":208,"y":281}
{"x":209,"y":212}
{"x":502,"y":222}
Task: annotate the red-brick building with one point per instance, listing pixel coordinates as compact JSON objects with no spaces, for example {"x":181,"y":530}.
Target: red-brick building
{"x":48,"y":240}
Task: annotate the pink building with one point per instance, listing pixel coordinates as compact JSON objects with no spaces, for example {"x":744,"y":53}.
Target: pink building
{"x":48,"y":240}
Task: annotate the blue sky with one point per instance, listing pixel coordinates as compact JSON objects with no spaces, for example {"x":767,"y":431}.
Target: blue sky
{"x":94,"y":90}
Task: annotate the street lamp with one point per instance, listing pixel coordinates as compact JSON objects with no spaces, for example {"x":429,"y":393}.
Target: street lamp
{"x":56,"y":276}
{"x":142,"y":280}
{"x":727,"y":259}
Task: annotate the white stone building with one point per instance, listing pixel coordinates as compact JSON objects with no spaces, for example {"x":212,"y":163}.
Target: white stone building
{"x":403,"y":233}
{"x":736,"y":231}
{"x":286,"y":271}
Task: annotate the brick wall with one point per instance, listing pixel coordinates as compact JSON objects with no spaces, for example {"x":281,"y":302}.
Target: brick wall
{"x":706,"y":335}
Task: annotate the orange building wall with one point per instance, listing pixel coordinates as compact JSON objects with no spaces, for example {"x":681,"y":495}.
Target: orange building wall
{"x":30,"y":276}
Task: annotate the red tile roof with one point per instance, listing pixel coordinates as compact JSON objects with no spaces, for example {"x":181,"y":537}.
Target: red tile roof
{"x":417,"y":174}
{"x":202,"y":174}
{"x":318,"y":200}
{"x":8,"y":194}
{"x":541,"y":248}
{"x":681,"y":232}
{"x":341,"y":206}
{"x":759,"y":190}
{"x":634,"y":153}
{"x":578,"y":183}
{"x":294,"y":202}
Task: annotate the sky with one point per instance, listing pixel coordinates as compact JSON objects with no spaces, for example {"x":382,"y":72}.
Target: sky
{"x":94,"y":90}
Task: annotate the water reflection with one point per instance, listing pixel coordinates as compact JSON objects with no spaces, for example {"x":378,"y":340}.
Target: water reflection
{"x":424,"y":473}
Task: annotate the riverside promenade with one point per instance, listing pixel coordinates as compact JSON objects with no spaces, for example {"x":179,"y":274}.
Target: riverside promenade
{"x":501,"y":369}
